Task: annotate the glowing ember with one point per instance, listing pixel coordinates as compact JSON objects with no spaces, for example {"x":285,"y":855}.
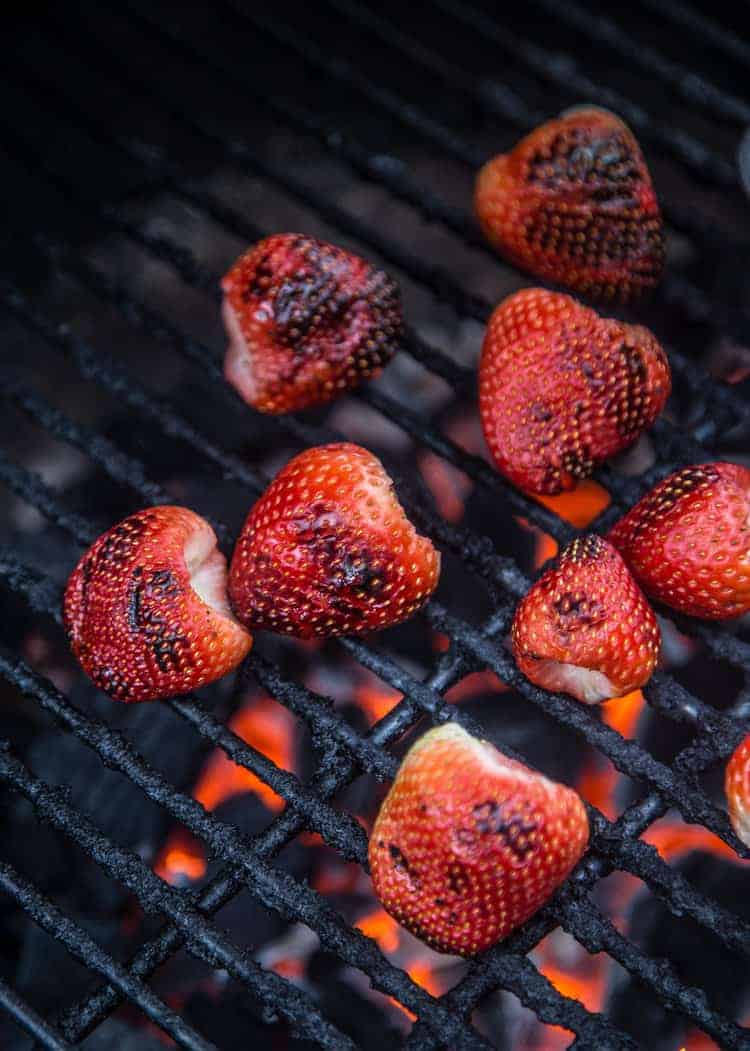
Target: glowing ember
{"x":623,"y":713}
{"x":475,"y":685}
{"x":265,"y":725}
{"x":379,"y":926}
{"x":375,"y":699}
{"x":182,"y":860}
{"x":448,"y":485}
{"x":579,"y":507}
{"x":673,"y":838}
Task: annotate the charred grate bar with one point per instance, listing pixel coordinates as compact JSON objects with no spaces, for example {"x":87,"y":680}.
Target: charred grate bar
{"x":614,"y":844}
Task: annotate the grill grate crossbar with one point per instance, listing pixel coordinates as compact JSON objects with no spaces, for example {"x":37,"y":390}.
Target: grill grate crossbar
{"x":614,"y":844}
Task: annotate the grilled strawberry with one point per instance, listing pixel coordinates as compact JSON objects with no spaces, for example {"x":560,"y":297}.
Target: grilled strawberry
{"x":146,"y":608}
{"x":585,"y":628}
{"x":687,"y":542}
{"x":328,"y":550}
{"x":737,"y":788}
{"x":573,"y":203}
{"x":306,"y":321}
{"x":469,"y":844}
{"x":561,"y":389}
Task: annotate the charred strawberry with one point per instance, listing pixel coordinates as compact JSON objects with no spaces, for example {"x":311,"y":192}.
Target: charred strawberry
{"x":146,"y":608}
{"x":573,"y":203}
{"x":469,"y":844}
{"x":585,"y":628}
{"x":561,"y":389}
{"x":328,"y":550}
{"x":737,"y":788}
{"x":306,"y":321}
{"x":687,"y":542}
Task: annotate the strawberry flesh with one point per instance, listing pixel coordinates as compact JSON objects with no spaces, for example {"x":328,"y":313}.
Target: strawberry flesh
{"x":573,"y":203}
{"x":687,"y":542}
{"x":737,"y":787}
{"x":306,"y":322}
{"x":562,"y":389}
{"x":146,"y":609}
{"x":328,"y":550}
{"x":585,"y":628}
{"x":468,"y":844}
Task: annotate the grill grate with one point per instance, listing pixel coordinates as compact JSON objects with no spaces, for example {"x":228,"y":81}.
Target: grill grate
{"x":615,"y":844}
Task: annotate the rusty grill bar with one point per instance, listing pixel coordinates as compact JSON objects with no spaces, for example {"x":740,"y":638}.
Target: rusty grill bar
{"x":615,"y":844}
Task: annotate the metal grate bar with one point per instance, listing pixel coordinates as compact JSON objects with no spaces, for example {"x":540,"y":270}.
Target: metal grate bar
{"x":422,"y":124}
{"x":558,"y":68}
{"x":642,"y":861}
{"x":676,"y":290}
{"x":591,"y":929}
{"x":28,"y":1019}
{"x":51,"y":919}
{"x":203,"y":939}
{"x":645,"y":966}
{"x":189,"y":268}
{"x":610,"y":840}
{"x":700,"y":26}
{"x":679,"y":78}
{"x":711,"y":1022}
{"x":627,"y":756}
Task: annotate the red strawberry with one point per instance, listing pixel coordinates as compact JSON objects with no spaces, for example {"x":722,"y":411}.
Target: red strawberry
{"x":146,"y":608}
{"x":737,"y":788}
{"x":306,"y":321}
{"x":585,"y":628}
{"x":573,"y":203}
{"x":328,"y":550}
{"x":469,"y":844}
{"x":687,"y":542}
{"x":561,"y":389}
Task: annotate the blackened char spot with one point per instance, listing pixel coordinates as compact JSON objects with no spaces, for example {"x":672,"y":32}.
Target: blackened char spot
{"x":117,"y":546}
{"x":401,"y":864}
{"x":111,"y":682}
{"x":514,"y":831}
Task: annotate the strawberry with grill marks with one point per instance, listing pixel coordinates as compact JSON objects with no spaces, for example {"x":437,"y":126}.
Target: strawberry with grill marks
{"x":328,"y":550}
{"x":585,"y":627}
{"x":146,"y":608}
{"x":562,"y":389}
{"x":468,"y":844}
{"x":573,"y":203}
{"x":306,"y":321}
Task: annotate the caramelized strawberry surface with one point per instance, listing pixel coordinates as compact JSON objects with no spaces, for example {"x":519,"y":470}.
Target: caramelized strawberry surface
{"x":687,"y":542}
{"x":573,"y":203}
{"x":468,"y":844}
{"x":146,"y":609}
{"x":328,"y":550}
{"x":306,"y":322}
{"x":585,"y":627}
{"x":562,"y":389}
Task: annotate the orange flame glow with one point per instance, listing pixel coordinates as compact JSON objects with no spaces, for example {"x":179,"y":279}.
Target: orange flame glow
{"x":474,"y":685}
{"x":375,"y":699}
{"x":182,"y":859}
{"x":265,"y":725}
{"x":379,"y":926}
{"x":672,"y":837}
{"x":579,"y":507}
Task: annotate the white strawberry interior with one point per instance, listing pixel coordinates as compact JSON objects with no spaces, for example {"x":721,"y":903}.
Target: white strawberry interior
{"x":586,"y":684}
{"x":238,"y":363}
{"x":208,"y":571}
